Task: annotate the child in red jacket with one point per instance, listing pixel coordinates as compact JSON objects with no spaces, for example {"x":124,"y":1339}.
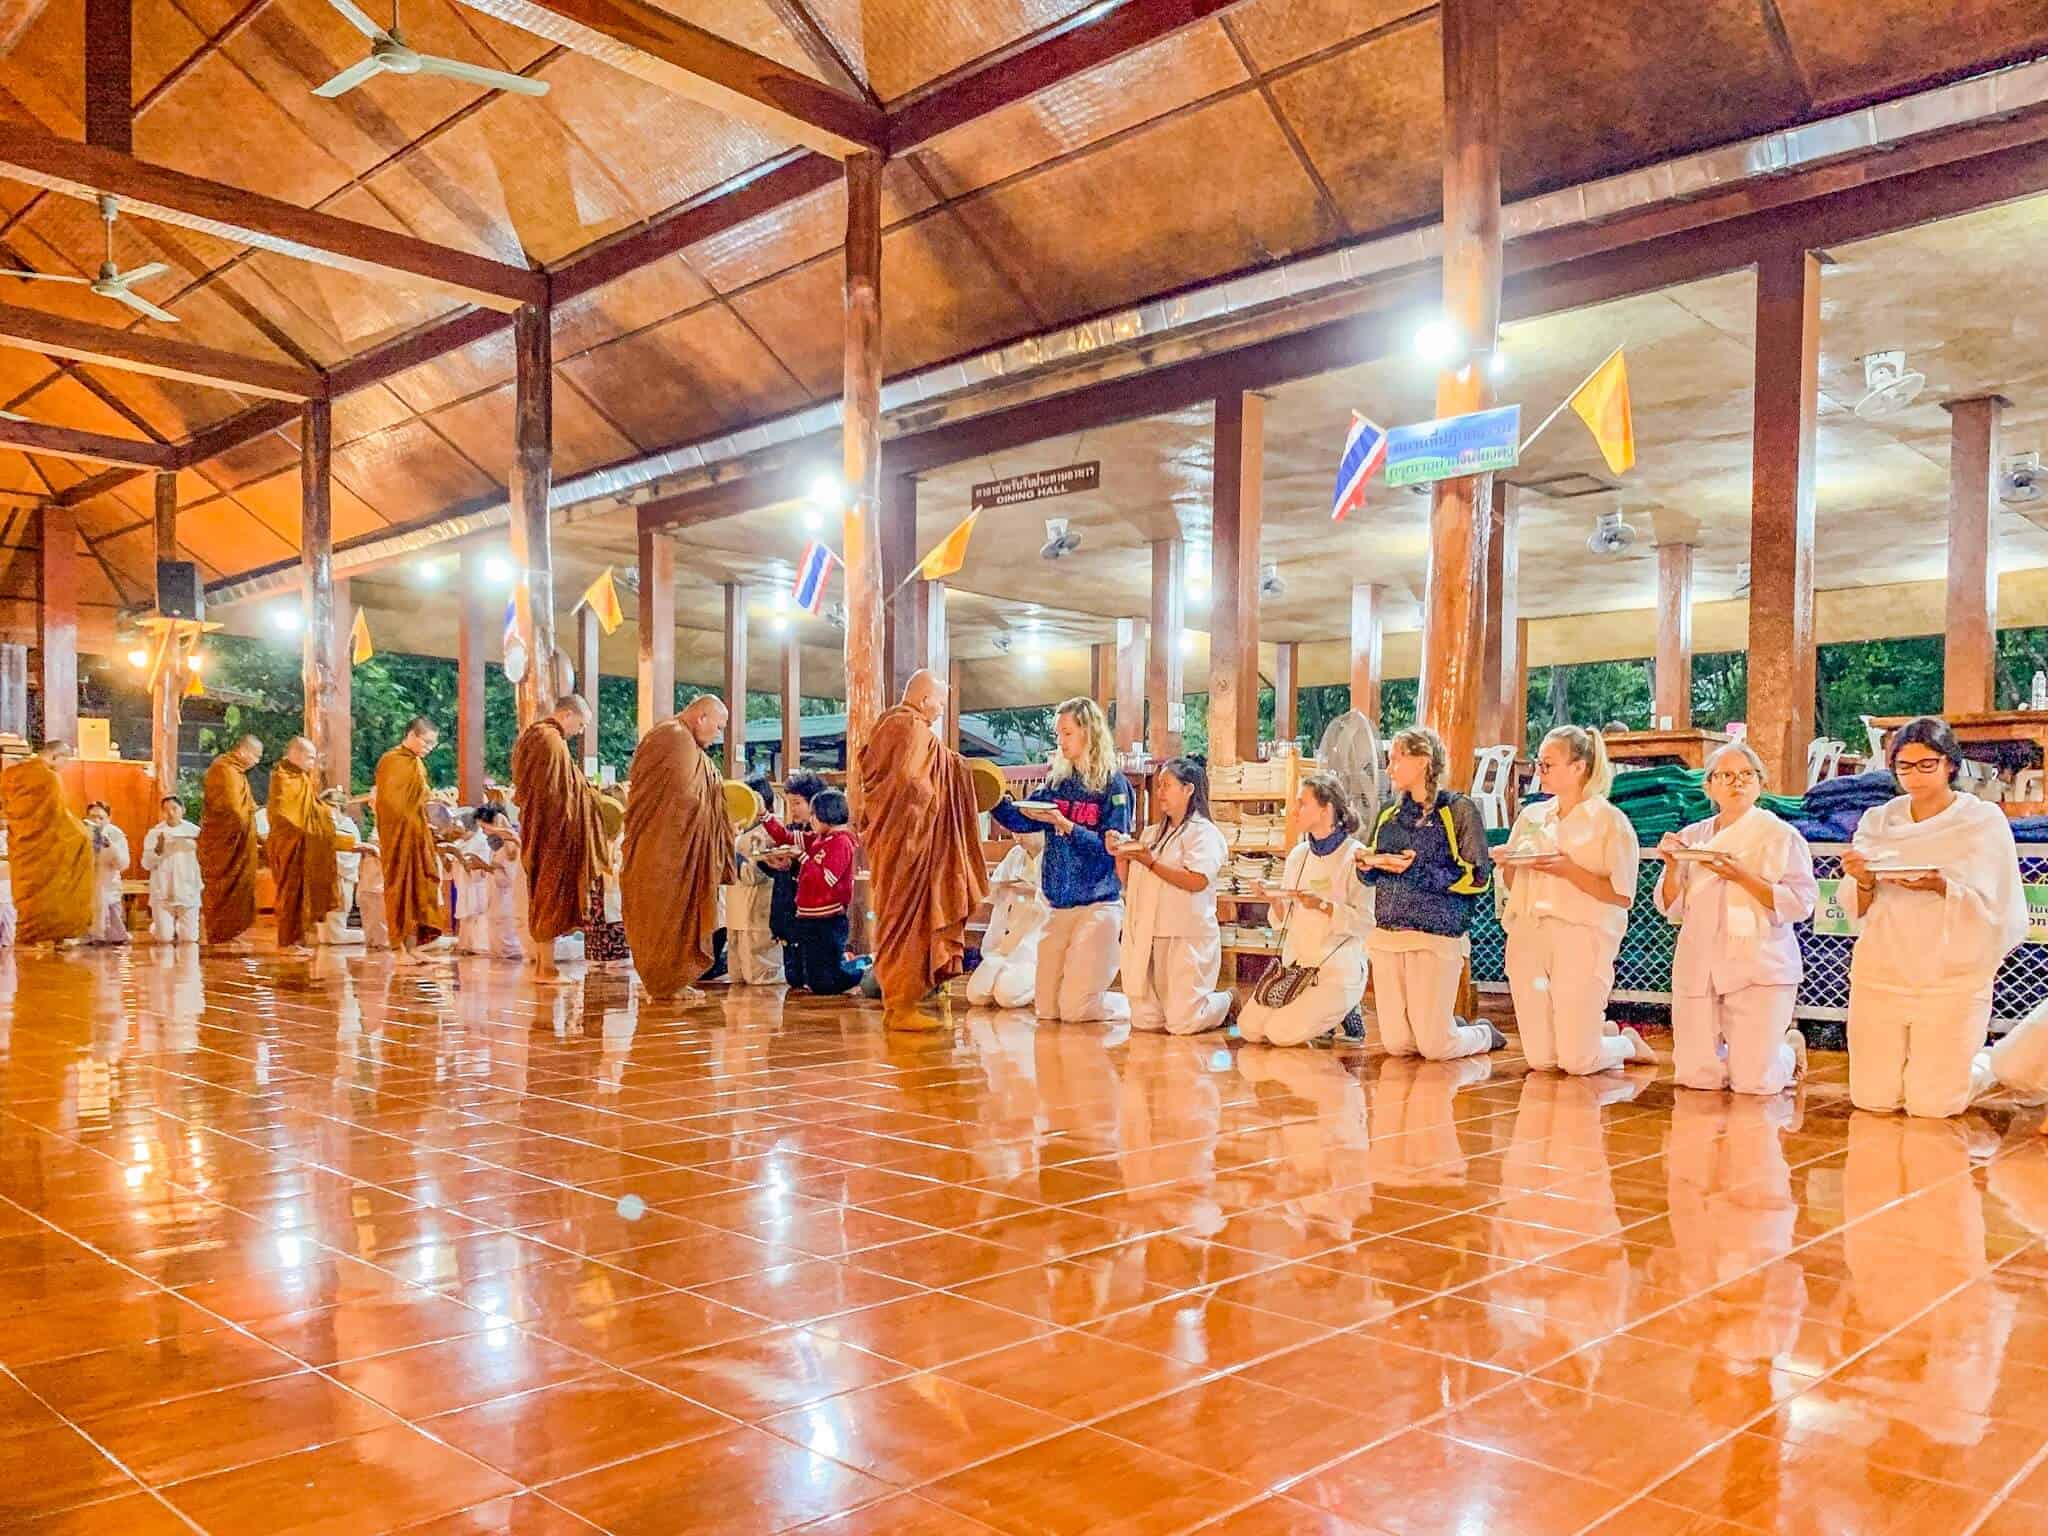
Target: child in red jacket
{"x":824,"y":888}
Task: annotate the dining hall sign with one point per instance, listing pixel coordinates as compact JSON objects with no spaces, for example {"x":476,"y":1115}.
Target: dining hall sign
{"x":1038,"y":485}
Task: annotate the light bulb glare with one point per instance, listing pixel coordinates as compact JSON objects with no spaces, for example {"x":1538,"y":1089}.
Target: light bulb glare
{"x":287,"y":620}
{"x":1187,"y":642}
{"x":138,"y":657}
{"x":1437,"y":342}
{"x":498,"y":571}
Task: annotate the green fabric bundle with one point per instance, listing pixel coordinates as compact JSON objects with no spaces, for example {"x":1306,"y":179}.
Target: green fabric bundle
{"x":1670,"y":796}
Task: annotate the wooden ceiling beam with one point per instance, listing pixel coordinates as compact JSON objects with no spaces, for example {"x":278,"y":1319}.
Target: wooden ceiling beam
{"x":421,"y":345}
{"x":85,"y":447}
{"x":110,"y":74}
{"x":249,"y":218}
{"x":137,"y":352}
{"x":1082,"y":42}
{"x":685,"y":60}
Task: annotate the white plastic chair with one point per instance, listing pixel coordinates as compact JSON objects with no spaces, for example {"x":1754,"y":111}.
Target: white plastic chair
{"x":1876,"y":735}
{"x":1823,"y":756}
{"x":1490,"y":771}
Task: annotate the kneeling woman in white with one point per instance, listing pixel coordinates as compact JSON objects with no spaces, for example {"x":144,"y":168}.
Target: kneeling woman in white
{"x":1326,"y":911}
{"x":1737,"y":966}
{"x":1932,"y":939}
{"x":1565,"y":909}
{"x":1171,"y":948}
{"x":1008,"y":973}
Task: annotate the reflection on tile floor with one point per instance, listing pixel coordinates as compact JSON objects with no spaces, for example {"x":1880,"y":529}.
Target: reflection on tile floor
{"x":328,"y":1247}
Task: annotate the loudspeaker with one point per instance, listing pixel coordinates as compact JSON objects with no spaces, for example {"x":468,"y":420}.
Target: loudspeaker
{"x":179,"y":594}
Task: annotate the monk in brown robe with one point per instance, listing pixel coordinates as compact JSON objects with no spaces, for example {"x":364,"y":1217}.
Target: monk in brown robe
{"x":415,"y":905}
{"x":228,"y":852}
{"x":923,"y":845}
{"x":679,"y":851}
{"x":301,"y":847}
{"x":49,"y":850}
{"x":563,"y":846}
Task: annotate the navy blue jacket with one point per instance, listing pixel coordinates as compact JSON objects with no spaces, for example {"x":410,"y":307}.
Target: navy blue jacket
{"x":1078,"y":871}
{"x":1452,"y":868}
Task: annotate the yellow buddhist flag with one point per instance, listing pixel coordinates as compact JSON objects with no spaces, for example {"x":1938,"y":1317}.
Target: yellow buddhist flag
{"x":359,"y":639}
{"x":1602,"y":403}
{"x":601,"y":597}
{"x":951,"y":552}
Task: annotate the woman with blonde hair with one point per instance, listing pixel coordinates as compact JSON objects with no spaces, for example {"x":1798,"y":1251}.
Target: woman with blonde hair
{"x":1326,"y":914}
{"x":1428,"y":866}
{"x":1082,"y":798}
{"x":1568,"y":878}
{"x":1737,"y":965}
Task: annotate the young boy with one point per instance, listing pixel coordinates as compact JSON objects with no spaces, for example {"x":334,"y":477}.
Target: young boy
{"x":824,"y":888}
{"x":782,"y":863}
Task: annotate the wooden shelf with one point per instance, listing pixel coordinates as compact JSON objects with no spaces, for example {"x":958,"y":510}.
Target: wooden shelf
{"x":1241,"y":796}
{"x":1251,"y":949}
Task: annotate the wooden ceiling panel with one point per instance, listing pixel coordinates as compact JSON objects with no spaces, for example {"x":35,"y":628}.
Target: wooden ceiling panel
{"x":22,"y":372}
{"x":42,"y":45}
{"x":332,"y":315}
{"x":1371,"y":120}
{"x":365,"y":411}
{"x":276,"y":503}
{"x":784,"y":312}
{"x":228,"y":537}
{"x":101,"y":517}
{"x":478,"y":366}
{"x":750,"y":23}
{"x":68,"y":403}
{"x":409,"y":473}
{"x":132,"y":557}
{"x":173,"y":409}
{"x":1106,"y":100}
{"x":1614,"y":71}
{"x":686,"y":379}
{"x":1119,"y":223}
{"x":423,"y":196}
{"x":1277,"y":32}
{"x":899,"y":45}
{"x":663,"y":148}
{"x":16,"y":477}
{"x":253,"y":461}
{"x":217,"y":123}
{"x":483,"y":429}
{"x":633,"y":302}
{"x":800,"y":231}
{"x":1851,"y":49}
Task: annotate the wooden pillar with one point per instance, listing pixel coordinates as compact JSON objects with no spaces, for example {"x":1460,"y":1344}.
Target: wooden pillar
{"x":1453,"y":662}
{"x":861,"y":440}
{"x":792,"y":701}
{"x":589,"y":676}
{"x":472,"y":641}
{"x":952,"y":727}
{"x":1515,"y":715}
{"x":1164,"y":702}
{"x":110,"y":77}
{"x":1368,"y":620}
{"x":533,"y":592}
{"x":1781,"y":653}
{"x":167,"y":693}
{"x":1102,"y":676}
{"x":906,"y":624}
{"x":57,"y":623}
{"x":1497,"y":648}
{"x":1970,"y":645}
{"x":657,"y":629}
{"x":1287,"y":691}
{"x":1234,"y":579}
{"x":735,"y":680}
{"x":338,"y":751}
{"x":1673,"y":706}
{"x":1130,"y":683}
{"x":326,"y":715}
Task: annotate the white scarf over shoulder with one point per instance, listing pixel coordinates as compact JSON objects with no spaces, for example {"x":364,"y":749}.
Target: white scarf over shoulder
{"x":1952,"y":940}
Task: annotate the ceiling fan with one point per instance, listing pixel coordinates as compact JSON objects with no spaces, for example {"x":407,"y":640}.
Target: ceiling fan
{"x":112,"y":283}
{"x":389,"y":55}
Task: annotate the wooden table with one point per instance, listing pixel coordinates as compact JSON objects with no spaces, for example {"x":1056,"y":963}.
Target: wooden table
{"x":1647,"y":748}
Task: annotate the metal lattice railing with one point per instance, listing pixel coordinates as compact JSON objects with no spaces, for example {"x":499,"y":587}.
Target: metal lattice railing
{"x":1642,"y":971}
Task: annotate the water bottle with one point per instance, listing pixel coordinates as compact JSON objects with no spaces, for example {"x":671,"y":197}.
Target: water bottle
{"x":2037,"y":696}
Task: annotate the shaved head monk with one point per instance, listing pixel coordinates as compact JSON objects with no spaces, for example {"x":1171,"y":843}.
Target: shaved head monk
{"x":415,"y":910}
{"x":227,"y":847}
{"x":48,"y":848}
{"x":679,"y":851}
{"x":923,"y":844}
{"x":563,"y":846}
{"x":301,"y":847}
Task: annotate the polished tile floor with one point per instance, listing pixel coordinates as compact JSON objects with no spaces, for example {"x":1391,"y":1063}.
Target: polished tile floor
{"x":328,"y":1247}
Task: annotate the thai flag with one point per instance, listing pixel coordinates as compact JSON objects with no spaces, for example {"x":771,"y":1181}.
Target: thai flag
{"x":1365,"y":450}
{"x":813,"y":575}
{"x":511,"y":637}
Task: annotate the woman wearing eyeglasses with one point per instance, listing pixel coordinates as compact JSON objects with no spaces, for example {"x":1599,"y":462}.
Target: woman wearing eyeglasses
{"x":1738,"y":965}
{"x":1936,"y":878}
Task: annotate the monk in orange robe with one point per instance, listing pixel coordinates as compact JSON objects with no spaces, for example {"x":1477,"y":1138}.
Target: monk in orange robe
{"x":227,"y":846}
{"x":49,"y":850}
{"x":563,"y":846}
{"x":679,"y":851}
{"x":923,"y":845}
{"x":415,"y":906}
{"x":301,"y":847}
